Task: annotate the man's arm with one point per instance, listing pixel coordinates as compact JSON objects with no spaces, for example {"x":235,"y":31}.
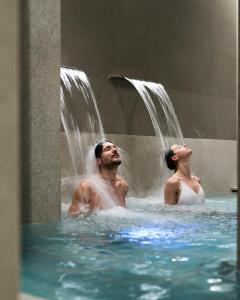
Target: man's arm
{"x":171,"y":190}
{"x":81,"y":197}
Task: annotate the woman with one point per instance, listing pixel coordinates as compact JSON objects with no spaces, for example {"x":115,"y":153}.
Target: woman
{"x":182,"y":187}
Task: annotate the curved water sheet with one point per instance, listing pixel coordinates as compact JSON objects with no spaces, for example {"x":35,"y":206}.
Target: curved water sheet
{"x":82,"y":125}
{"x":80,"y":118}
{"x":164,"y":120}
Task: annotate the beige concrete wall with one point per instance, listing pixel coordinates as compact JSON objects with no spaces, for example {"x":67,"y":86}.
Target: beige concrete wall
{"x":189,"y":46}
{"x":214,"y":161}
{"x":9,"y":159}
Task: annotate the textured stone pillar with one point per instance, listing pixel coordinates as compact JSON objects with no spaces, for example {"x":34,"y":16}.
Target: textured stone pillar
{"x":9,"y":173}
{"x":238,"y":205}
{"x":40,"y":110}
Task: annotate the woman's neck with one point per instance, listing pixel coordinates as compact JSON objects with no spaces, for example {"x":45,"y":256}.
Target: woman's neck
{"x":183,"y":170}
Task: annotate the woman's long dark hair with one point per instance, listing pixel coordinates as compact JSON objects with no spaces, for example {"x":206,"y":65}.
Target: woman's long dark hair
{"x":171,"y":164}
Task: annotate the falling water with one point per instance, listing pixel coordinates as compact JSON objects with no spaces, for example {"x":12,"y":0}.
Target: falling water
{"x":83,"y":128}
{"x":80,"y":113}
{"x":164,"y":119}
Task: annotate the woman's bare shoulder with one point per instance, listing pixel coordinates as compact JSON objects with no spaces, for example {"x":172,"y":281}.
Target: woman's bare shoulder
{"x":172,"y":181}
{"x":197,"y":178}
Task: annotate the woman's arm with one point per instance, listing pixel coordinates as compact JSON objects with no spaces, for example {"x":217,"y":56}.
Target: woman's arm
{"x":171,"y":191}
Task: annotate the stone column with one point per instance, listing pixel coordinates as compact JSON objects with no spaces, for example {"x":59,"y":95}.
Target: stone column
{"x":9,"y":134}
{"x":238,"y":169}
{"x":40,"y":110}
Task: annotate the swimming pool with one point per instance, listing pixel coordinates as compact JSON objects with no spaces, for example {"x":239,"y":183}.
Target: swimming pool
{"x":148,"y":251}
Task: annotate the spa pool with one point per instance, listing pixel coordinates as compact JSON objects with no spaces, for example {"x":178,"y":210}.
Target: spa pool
{"x":148,"y":251}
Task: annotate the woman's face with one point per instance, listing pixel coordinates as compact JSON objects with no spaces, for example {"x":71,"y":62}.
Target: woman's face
{"x":181,"y":151}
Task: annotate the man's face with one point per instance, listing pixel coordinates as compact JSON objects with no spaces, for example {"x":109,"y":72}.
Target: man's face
{"x":110,"y":157}
{"x":181,"y":151}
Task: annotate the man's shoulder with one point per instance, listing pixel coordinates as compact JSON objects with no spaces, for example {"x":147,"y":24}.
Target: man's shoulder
{"x":121,"y":181}
{"x":84,"y":185}
{"x":119,"y":178}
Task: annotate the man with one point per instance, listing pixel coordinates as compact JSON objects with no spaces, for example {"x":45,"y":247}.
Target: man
{"x":97,"y":193}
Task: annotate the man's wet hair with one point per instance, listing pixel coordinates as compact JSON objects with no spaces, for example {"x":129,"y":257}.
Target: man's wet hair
{"x":99,"y":149}
{"x":171,"y":164}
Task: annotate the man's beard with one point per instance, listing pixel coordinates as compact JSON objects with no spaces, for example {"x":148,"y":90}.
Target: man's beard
{"x":111,"y":164}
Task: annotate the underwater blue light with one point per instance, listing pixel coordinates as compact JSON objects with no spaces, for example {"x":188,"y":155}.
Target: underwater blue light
{"x":154,"y":234}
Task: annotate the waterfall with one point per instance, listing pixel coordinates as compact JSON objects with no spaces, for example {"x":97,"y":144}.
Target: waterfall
{"x":164,"y":120}
{"x":80,"y":119}
{"x":83,"y":128}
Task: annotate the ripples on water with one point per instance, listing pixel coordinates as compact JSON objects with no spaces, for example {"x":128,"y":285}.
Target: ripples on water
{"x":146,"y":251}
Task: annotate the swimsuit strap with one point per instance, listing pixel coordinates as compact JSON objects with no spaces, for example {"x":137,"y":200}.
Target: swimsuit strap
{"x":178,"y":178}
{"x":181,"y":179}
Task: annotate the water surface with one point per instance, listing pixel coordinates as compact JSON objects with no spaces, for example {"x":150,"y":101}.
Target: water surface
{"x":148,"y":251}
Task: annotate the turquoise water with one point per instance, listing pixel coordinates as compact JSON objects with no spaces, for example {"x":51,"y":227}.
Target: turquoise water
{"x":148,"y":251}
